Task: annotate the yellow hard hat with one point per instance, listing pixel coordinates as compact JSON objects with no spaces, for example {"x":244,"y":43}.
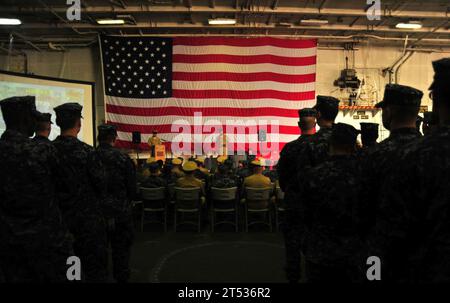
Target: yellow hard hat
{"x":200,"y":159}
{"x":176,"y":161}
{"x":189,"y":166}
{"x":257,"y":162}
{"x":221,"y":159}
{"x":150,"y":160}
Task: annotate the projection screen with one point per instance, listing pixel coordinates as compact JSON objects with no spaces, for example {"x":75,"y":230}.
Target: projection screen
{"x":51,"y":92}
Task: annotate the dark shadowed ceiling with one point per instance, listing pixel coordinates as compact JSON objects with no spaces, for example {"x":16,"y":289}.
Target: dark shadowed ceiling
{"x":45,"y":25}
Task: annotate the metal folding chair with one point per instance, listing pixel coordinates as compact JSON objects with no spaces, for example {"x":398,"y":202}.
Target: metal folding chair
{"x":224,"y":201}
{"x":257,"y":201}
{"x":154,"y":201}
{"x":187,"y":201}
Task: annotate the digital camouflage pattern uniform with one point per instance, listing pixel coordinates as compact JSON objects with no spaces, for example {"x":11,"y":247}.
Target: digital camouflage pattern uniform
{"x":331,"y":189}
{"x":41,"y":139}
{"x":412,"y":232}
{"x":330,"y":238}
{"x":117,"y":208}
{"x":154,"y":181}
{"x":82,"y":211}
{"x":379,"y":160}
{"x":375,"y":165}
{"x":223,"y":181}
{"x":295,"y":156}
{"x":311,"y":153}
{"x":35,"y":243}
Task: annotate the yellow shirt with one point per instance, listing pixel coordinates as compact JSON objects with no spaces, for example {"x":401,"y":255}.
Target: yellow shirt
{"x":257,"y":181}
{"x":190,"y":181}
{"x":154,"y":141}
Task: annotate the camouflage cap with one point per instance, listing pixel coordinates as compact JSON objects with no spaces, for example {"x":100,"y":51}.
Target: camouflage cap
{"x":69,"y":110}
{"x":402,"y":95}
{"x":15,"y":106}
{"x":107,"y":129}
{"x":44,"y":117}
{"x":307,"y":112}
{"x":441,"y":73}
{"x":344,"y":134}
{"x":326,"y":103}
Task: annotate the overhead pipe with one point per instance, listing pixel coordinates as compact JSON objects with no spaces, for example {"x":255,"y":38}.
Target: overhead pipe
{"x":392,"y":69}
{"x":65,"y":21}
{"x":338,"y":39}
{"x":26,"y":40}
{"x":409,"y":55}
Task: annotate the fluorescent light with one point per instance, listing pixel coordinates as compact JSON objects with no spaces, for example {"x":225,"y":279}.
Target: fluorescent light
{"x":221,"y":21}
{"x":284,"y":24}
{"x":313,"y":21}
{"x":110,"y":21}
{"x":9,"y":21}
{"x":409,"y":25}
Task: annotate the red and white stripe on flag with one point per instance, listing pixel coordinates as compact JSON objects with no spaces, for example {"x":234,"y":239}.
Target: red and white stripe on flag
{"x":227,"y":80}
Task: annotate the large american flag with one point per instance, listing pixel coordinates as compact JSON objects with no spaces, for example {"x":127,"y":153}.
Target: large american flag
{"x":160,"y":83}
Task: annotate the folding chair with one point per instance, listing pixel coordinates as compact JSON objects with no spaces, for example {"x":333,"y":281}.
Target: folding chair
{"x":187,"y":201}
{"x":154,"y":201}
{"x":224,"y":201}
{"x":257,"y":201}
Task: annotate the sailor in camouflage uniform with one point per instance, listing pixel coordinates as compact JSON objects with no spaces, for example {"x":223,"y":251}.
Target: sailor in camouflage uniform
{"x":155,"y":179}
{"x":286,"y":172}
{"x":117,"y":208}
{"x":82,"y":211}
{"x":413,"y":221}
{"x":369,"y":134}
{"x":330,"y":238}
{"x":289,"y":153}
{"x":316,"y":147}
{"x":223,"y":178}
{"x":314,"y":151}
{"x":35,"y":244}
{"x":400,"y":107}
{"x":43,"y":128}
{"x":309,"y":153}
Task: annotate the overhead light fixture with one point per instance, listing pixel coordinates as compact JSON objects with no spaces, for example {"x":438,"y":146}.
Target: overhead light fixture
{"x":313,"y":21}
{"x":409,"y":25}
{"x":110,"y":21}
{"x":10,"y":21}
{"x":221,"y":21}
{"x":283,"y":24}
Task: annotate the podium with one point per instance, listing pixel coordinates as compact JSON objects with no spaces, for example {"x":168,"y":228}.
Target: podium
{"x":160,"y":152}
